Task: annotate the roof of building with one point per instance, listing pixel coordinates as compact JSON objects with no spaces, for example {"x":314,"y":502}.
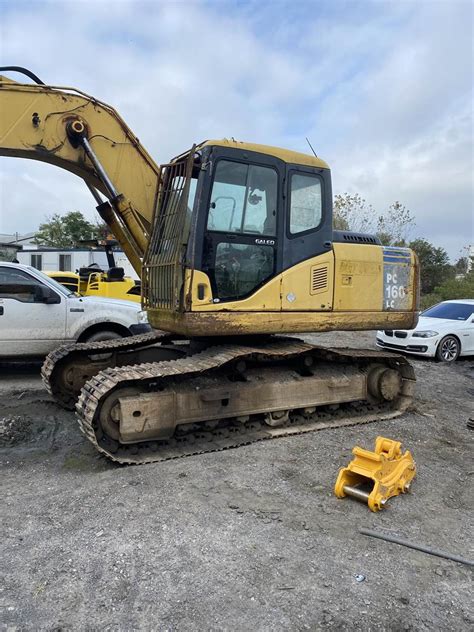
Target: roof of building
{"x":9,"y":238}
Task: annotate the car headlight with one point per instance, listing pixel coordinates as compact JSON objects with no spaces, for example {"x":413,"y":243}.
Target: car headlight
{"x":424,"y":334}
{"x":142,"y":317}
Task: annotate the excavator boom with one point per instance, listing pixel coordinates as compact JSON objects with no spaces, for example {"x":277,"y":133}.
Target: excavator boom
{"x":38,"y":122}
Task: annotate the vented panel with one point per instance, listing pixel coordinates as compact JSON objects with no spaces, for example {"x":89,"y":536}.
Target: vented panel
{"x":319,"y":279}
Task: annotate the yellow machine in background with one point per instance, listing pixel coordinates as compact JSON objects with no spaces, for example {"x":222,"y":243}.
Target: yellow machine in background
{"x":99,"y":283}
{"x":93,"y":281}
{"x":233,"y":242}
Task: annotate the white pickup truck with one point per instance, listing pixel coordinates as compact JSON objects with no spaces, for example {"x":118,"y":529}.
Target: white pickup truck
{"x":37,"y":314}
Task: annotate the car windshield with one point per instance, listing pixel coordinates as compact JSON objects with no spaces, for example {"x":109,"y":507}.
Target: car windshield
{"x":57,"y":286}
{"x":450,"y":311}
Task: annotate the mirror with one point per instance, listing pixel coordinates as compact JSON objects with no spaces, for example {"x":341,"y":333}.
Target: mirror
{"x":44,"y":294}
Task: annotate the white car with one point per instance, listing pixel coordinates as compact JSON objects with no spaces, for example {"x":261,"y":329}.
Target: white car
{"x":444,"y":331}
{"x":37,"y":314}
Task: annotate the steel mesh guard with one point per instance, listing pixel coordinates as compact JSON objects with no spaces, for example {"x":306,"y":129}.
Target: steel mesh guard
{"x":163,"y":269}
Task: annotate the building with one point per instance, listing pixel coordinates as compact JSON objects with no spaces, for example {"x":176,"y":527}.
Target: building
{"x":66,"y":260}
{"x":24,"y":250}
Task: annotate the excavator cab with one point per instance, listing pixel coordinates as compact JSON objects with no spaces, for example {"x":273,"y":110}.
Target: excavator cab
{"x":240,"y":214}
{"x":243,"y":243}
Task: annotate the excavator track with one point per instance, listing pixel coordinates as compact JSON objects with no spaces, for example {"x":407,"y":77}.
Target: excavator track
{"x":210,"y":365}
{"x":56,"y":362}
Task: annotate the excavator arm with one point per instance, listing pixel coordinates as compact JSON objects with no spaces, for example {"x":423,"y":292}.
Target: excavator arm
{"x":72,"y":130}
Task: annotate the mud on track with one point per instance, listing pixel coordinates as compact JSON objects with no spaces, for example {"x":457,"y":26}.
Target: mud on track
{"x":245,"y":539}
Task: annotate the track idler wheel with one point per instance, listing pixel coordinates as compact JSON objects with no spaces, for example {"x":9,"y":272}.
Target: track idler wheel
{"x":384,"y":383}
{"x":108,"y":425}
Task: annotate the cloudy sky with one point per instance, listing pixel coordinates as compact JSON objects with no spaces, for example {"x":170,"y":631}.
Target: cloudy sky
{"x":382,"y":89}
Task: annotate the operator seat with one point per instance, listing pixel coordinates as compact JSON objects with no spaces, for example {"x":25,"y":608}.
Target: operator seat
{"x":115,"y":274}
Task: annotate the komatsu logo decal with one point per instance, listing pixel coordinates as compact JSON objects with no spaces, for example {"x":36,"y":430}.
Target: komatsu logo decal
{"x":396,"y":278}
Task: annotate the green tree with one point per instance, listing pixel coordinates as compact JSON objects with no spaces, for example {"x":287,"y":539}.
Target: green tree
{"x":435,"y":268}
{"x":64,"y":231}
{"x":461,"y":265}
{"x":450,"y":289}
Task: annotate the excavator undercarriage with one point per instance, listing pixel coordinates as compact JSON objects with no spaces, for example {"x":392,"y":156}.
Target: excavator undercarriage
{"x":202,"y":398}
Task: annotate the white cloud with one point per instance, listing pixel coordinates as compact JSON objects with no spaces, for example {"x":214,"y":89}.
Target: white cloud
{"x":383,"y":91}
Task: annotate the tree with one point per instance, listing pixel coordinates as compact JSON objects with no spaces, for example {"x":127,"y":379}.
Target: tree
{"x":461,"y":266}
{"x":434,"y":265}
{"x":394,"y":227}
{"x":352,"y":212}
{"x":450,"y":289}
{"x":64,"y":231}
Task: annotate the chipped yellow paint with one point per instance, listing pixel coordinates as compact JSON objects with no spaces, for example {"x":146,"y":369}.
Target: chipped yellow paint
{"x":33,"y":125}
{"x":354,"y":277}
{"x":128,"y":164}
{"x":359,"y":277}
{"x":296,"y":283}
{"x":251,"y":323}
{"x":266,"y":298}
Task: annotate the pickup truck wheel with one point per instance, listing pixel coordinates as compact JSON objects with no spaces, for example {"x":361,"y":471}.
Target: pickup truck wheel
{"x":100,"y":336}
{"x":105,"y":334}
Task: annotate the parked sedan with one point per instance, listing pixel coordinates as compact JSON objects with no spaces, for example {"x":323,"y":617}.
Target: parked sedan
{"x":444,"y":331}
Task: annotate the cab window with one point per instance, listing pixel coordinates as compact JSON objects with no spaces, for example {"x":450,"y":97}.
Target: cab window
{"x":243,"y":199}
{"x":305,"y":203}
{"x":241,"y":268}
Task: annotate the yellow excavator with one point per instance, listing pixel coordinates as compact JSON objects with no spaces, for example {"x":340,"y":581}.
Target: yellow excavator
{"x":236,"y":250}
{"x":93,"y":281}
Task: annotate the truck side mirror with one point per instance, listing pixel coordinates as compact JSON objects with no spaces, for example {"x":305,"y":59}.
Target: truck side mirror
{"x":44,"y":294}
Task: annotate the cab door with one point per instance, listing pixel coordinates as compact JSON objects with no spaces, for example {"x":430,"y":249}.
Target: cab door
{"x":308,"y":257}
{"x":28,"y":325}
{"x":240,"y":247}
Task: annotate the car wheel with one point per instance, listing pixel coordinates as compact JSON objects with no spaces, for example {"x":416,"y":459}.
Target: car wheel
{"x":100,"y":336}
{"x":105,"y":334}
{"x":448,"y":349}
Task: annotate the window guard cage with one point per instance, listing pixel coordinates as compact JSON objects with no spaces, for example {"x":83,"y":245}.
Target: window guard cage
{"x":163,"y":269}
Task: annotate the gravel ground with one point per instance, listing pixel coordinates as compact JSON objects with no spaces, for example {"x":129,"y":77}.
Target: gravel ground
{"x":246,"y":539}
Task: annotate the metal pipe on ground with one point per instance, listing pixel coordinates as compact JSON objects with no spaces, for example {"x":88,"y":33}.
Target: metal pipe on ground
{"x":417,"y":547}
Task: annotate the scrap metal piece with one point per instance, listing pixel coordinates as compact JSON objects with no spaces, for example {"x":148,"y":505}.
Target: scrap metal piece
{"x":418,"y":547}
{"x":384,"y":473}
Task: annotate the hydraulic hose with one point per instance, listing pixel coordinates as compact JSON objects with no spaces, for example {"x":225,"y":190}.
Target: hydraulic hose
{"x":23,"y":71}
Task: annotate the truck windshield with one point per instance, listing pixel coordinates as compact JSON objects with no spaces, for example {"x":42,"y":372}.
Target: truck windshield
{"x":57,"y":286}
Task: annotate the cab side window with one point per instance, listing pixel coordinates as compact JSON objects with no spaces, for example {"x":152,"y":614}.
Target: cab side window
{"x":17,"y":285}
{"x":305,"y":203}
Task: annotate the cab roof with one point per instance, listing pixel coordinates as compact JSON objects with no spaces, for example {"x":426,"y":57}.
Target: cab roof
{"x":291,"y":157}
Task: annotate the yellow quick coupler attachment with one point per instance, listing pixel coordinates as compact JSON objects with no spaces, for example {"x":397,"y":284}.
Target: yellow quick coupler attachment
{"x":374,"y":477}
